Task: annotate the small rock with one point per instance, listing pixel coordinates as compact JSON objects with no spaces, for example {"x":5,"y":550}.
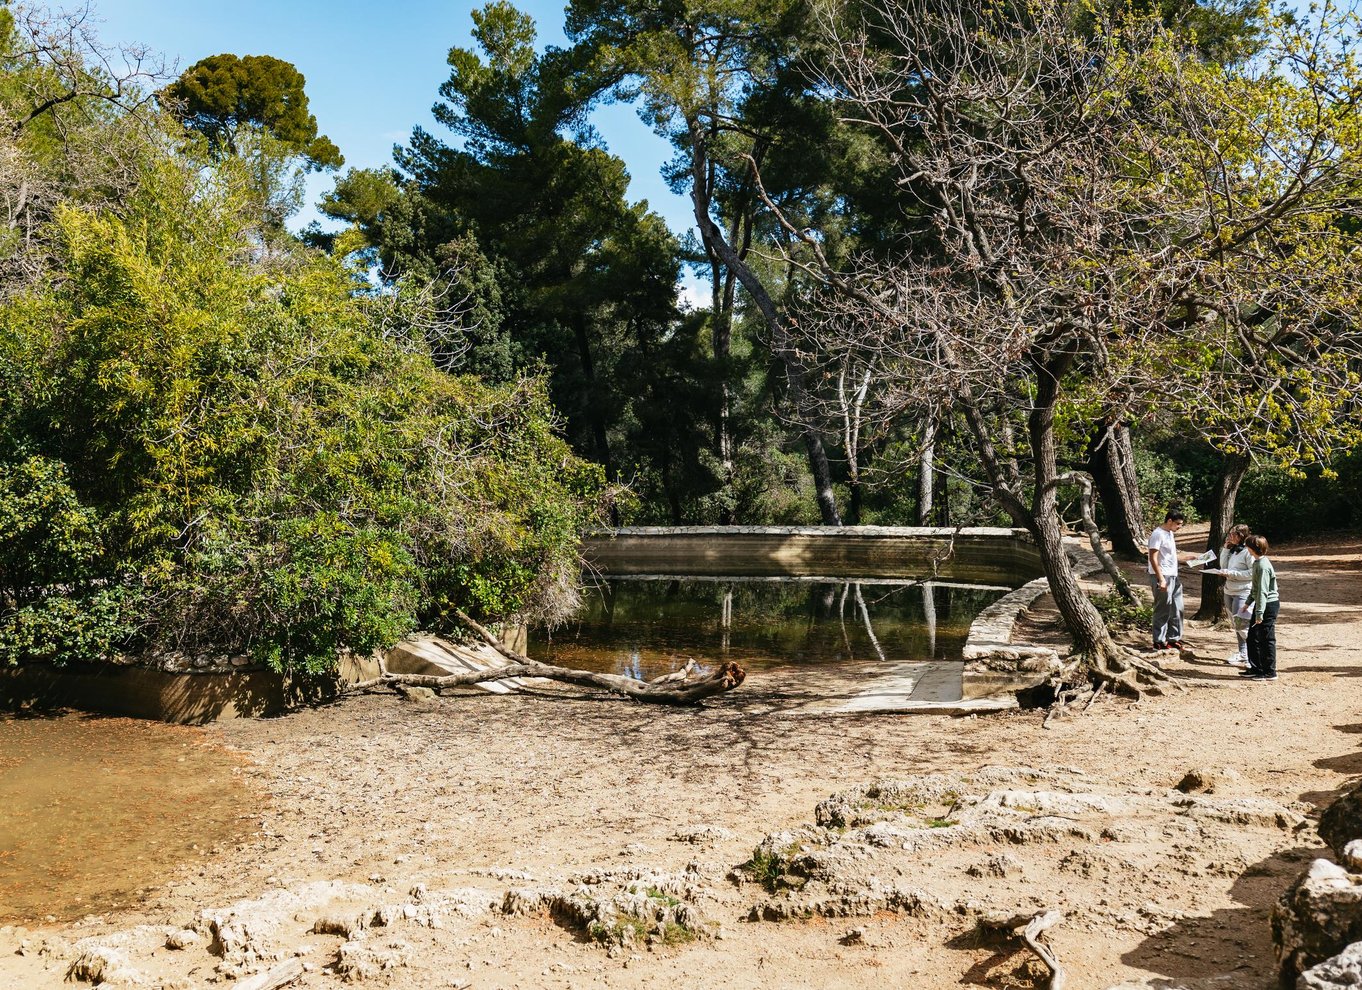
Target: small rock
{"x":348,"y":926}
{"x":182,"y":939}
{"x":366,"y":960}
{"x":102,"y":964}
{"x":1206,"y":780}
{"x":1352,"y":856}
{"x":1001,"y":865}
{"x":853,"y":936}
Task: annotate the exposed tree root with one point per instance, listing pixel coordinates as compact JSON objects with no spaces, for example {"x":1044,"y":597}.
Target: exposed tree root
{"x":680,"y":687}
{"x":1032,"y":934}
{"x":1082,"y":679}
{"x":1032,"y":928}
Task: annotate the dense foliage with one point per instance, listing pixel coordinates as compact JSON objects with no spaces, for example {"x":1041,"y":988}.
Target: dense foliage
{"x":216,"y":436}
{"x":216,"y":440}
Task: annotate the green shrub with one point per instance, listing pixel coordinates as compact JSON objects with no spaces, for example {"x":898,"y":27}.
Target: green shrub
{"x":74,"y":626}
{"x":237,"y":438}
{"x":1279,"y":503}
{"x":1121,"y":614}
{"x":1164,"y":486}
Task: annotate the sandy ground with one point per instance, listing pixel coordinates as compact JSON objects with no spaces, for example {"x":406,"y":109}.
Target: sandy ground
{"x":481,"y":794}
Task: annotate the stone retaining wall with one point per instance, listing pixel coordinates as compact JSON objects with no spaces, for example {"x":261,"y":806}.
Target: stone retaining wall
{"x":983,"y":555}
{"x":990,"y":635}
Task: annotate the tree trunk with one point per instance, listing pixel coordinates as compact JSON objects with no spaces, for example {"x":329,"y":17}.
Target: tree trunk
{"x":925,"y":473}
{"x":1081,"y":618}
{"x":1089,"y":632}
{"x":1233,"y":467}
{"x":595,"y":411}
{"x":721,"y":301}
{"x":683,"y":687}
{"x":1111,"y":462}
{"x":781,"y":346}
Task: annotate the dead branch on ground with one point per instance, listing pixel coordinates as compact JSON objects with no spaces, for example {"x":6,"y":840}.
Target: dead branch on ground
{"x":681,"y":687}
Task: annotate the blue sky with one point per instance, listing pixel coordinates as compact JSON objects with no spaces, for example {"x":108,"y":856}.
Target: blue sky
{"x":373,"y":70}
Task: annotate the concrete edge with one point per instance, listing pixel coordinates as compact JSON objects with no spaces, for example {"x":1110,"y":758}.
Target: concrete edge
{"x":990,"y":634}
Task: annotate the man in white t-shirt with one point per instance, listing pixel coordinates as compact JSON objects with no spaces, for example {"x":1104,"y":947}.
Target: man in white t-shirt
{"x":1165,"y":583}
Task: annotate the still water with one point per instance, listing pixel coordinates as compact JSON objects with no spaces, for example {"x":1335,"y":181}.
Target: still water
{"x":96,"y":811}
{"x":646,"y":628}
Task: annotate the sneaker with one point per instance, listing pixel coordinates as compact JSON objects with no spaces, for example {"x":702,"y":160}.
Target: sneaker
{"x":1160,"y":646}
{"x":1177,"y":644}
{"x":1264,"y":677}
{"x":1249,"y":673}
{"x":1235,"y":660}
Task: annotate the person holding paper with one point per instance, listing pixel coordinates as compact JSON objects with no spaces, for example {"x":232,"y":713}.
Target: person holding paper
{"x":1236,"y":567}
{"x":1165,"y":583}
{"x":1265,"y":602}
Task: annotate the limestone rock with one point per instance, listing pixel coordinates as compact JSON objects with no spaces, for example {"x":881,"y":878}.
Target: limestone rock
{"x":107,"y":967}
{"x":1343,"y":970}
{"x":364,"y":960}
{"x":348,"y":926}
{"x":1352,"y":856}
{"x":1317,"y":918}
{"x":1000,"y":866}
{"x":243,"y":934}
{"x":702,"y":834}
{"x":1342,"y":821}
{"x":182,"y":939}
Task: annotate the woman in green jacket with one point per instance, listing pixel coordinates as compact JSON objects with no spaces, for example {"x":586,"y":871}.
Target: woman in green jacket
{"x":1262,"y":637}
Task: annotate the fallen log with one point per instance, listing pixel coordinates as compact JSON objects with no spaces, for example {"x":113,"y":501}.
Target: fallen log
{"x":682,"y":687}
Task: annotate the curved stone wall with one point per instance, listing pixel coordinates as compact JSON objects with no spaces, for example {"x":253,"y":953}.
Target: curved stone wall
{"x":983,"y":555}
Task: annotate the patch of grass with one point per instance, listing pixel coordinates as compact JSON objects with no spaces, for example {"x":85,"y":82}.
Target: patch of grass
{"x":770,"y":868}
{"x":675,"y":933}
{"x":940,"y":822}
{"x":658,"y":895}
{"x":626,"y":931}
{"x":1121,"y":614}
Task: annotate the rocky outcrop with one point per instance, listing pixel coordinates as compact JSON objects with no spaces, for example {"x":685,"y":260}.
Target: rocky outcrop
{"x":1318,"y":920}
{"x":864,"y":844}
{"x":1341,"y":822}
{"x":1319,"y":916}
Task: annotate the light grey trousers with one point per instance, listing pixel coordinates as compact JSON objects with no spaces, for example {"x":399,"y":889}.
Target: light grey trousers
{"x":1167,"y":610}
{"x":1241,"y":626}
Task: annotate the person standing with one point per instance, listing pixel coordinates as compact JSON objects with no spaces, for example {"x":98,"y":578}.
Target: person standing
{"x":1165,"y":583}
{"x":1236,"y":567}
{"x":1262,"y":636}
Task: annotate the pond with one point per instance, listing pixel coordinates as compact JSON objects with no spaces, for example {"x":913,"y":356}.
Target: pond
{"x":96,"y":811}
{"x":649,"y":627}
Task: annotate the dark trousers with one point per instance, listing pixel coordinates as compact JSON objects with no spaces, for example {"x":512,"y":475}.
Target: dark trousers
{"x":1262,"y":641}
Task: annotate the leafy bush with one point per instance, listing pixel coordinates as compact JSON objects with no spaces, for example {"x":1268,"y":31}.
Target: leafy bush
{"x":1164,"y":486}
{"x":231,"y":433}
{"x":1280,"y":503}
{"x":1121,"y":614}
{"x":70,"y":626}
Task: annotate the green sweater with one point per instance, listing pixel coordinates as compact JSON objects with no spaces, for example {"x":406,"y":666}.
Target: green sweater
{"x":1264,"y":586}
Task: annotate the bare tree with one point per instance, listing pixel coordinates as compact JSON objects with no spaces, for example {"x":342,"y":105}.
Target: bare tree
{"x":55,"y":59}
{"x":1117,"y":228}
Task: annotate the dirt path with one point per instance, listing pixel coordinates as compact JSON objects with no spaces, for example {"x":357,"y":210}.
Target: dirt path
{"x":474,"y":795}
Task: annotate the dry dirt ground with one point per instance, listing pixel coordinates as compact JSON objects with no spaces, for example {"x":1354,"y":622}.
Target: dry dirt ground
{"x":470,"y":841}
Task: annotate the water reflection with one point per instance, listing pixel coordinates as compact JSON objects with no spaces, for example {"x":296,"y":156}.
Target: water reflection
{"x":646,"y":628}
